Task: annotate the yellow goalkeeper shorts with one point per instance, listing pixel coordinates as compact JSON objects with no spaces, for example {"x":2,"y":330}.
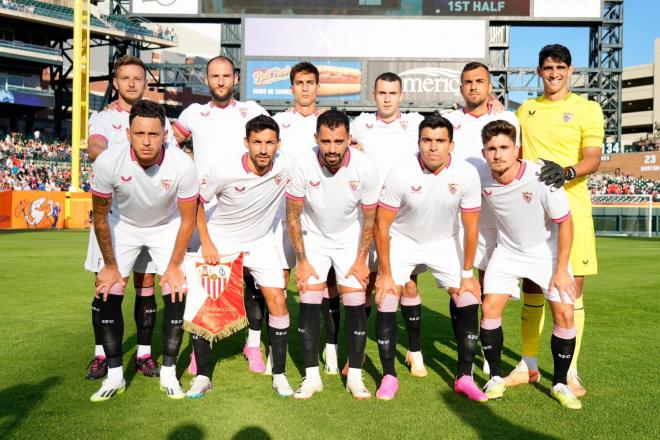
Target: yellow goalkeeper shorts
{"x":583,"y":252}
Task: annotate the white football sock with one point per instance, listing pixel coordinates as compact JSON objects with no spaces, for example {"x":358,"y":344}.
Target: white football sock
{"x":116,"y":374}
{"x":143,"y":350}
{"x":254,"y":338}
{"x":98,"y":351}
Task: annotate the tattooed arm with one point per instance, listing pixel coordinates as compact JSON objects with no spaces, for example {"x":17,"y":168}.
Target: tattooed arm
{"x":304,"y":270}
{"x":360,"y":269}
{"x":109,"y":274}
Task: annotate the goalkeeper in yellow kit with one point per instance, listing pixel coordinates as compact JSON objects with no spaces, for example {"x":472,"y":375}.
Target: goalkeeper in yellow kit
{"x":566,"y":131}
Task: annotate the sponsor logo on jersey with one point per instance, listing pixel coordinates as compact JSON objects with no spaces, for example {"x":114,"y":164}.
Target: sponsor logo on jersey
{"x":415,"y":189}
{"x":355,"y":184}
{"x":315,"y":184}
{"x":568,"y":117}
{"x":205,"y":114}
{"x":458,"y":127}
{"x":531,"y":112}
{"x":585,"y":262}
{"x":166,"y":183}
{"x":286,"y":125}
{"x":369,"y":125}
{"x":527,"y":196}
{"x":125,"y":180}
{"x":243,"y":112}
{"x":488,"y":193}
{"x":239,"y":188}
{"x":117,"y":126}
{"x":452,"y":188}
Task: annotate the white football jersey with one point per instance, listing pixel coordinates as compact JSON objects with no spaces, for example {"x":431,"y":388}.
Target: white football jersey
{"x":296,"y":132}
{"x":217,"y":132}
{"x":428,"y":203}
{"x":387,"y":143}
{"x":111,"y":125}
{"x":145,"y":197}
{"x":333,"y":201}
{"x":467,"y":133}
{"x":246,"y":202}
{"x":526,"y":210}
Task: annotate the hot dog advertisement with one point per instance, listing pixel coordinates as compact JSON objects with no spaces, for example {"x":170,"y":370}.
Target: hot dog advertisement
{"x":269,"y":80}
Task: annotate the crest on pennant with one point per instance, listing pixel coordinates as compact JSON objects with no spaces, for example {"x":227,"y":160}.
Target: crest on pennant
{"x":452,"y":188}
{"x":355,"y":184}
{"x":527,"y":196}
{"x":243,"y":111}
{"x":568,"y":117}
{"x":166,"y":183}
{"x":404,"y":124}
{"x":213,"y":279}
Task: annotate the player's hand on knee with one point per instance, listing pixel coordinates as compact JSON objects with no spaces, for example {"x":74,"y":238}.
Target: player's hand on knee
{"x":384,"y":286}
{"x":176,"y":281}
{"x":552,"y":174}
{"x":565,"y":285}
{"x":106,"y":279}
{"x":304,"y":271}
{"x":472,"y":286}
{"x":210,"y":253}
{"x":360,"y":271}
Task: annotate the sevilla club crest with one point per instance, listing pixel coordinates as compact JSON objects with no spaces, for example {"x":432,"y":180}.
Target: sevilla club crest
{"x":213,"y":278}
{"x":568,"y":117}
{"x":243,"y":112}
{"x":278,"y":179}
{"x":404,"y":124}
{"x":452,"y":188}
{"x":166,"y":183}
{"x":355,"y":184}
{"x":527,"y":196}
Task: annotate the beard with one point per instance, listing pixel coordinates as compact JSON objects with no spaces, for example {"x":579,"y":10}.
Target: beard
{"x":222,"y":97}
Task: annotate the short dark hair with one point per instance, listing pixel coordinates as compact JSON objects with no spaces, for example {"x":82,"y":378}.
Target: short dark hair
{"x":497,"y":127}
{"x":223,"y":58}
{"x":147,"y":109}
{"x":436,"y":121}
{"x":389,"y":77}
{"x":333,"y":119}
{"x":474,"y":65}
{"x":128,"y":60}
{"x":557,"y":52}
{"x":261,"y":123}
{"x":304,"y":67}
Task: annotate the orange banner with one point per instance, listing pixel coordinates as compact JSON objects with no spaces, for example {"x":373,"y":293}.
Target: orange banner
{"x":44,"y":210}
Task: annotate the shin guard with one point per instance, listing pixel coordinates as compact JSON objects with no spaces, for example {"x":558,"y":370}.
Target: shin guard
{"x":202,"y":350}
{"x":562,"y":344}
{"x":172,"y":328}
{"x":254,"y":304}
{"x":492,"y":340}
{"x":112,"y":329}
{"x":278,"y":333}
{"x":467,"y":334}
{"x":145,"y":317}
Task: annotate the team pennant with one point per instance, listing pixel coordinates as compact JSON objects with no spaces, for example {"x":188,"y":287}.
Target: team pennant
{"x":214,"y":306}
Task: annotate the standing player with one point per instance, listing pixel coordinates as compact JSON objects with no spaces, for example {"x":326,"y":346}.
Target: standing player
{"x":217,"y":129}
{"x":417,"y":223}
{"x":331,"y":188}
{"x":566,"y":131}
{"x":249,"y":188}
{"x":535,"y":232}
{"x":468,"y":122}
{"x":155,"y":189}
{"x":389,"y":137}
{"x":297,"y":130}
{"x":107,"y":130}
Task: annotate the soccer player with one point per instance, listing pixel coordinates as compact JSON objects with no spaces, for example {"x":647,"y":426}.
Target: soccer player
{"x":297,"y":131}
{"x":468,"y":122}
{"x":107,"y":130}
{"x":389,"y":138}
{"x":417,"y":223}
{"x":155,"y":188}
{"x":217,"y":129}
{"x":535,"y":232}
{"x":566,"y":131}
{"x":331,"y":206}
{"x":249,"y":188}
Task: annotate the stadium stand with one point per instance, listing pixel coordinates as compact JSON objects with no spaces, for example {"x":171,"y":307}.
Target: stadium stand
{"x":129,"y":25}
{"x":602,"y":184}
{"x":47,"y":10}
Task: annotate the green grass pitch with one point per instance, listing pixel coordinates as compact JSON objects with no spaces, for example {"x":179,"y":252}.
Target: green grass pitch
{"x":46,"y":341}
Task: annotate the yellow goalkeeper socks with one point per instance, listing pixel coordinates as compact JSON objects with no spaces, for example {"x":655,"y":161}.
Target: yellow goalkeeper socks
{"x":578,"y":319}
{"x":531,"y":323}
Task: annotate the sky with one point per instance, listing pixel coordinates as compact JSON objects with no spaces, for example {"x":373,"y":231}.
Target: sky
{"x":641,"y":26}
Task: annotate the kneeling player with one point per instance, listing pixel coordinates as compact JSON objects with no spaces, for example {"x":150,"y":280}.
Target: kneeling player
{"x":249,"y":188}
{"x":535,"y":233}
{"x":156,"y":192}
{"x":331,"y":186}
{"x":418,"y":208}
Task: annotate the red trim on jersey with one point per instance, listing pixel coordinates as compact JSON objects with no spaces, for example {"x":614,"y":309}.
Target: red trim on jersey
{"x":378,"y":118}
{"x":118,"y":107}
{"x":96,"y":135}
{"x":102,"y":195}
{"x":436,"y":172}
{"x":562,"y":218}
{"x":344,"y":164}
{"x":204,"y":201}
{"x":188,"y":199}
{"x":370,"y":207}
{"x":315,"y":113}
{"x":181,"y":128}
{"x":465,"y":112}
{"x":292,"y":197}
{"x":477,"y":209}
{"x":386,"y":206}
{"x":244,"y":161}
{"x":232,"y":103}
{"x":161,"y":158}
{"x":521,"y":171}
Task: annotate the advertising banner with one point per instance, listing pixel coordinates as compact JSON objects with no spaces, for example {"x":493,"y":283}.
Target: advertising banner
{"x":269,"y":80}
{"x":423,"y":81}
{"x":32,"y":209}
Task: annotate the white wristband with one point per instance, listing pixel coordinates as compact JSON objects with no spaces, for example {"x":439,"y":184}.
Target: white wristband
{"x":467,"y":273}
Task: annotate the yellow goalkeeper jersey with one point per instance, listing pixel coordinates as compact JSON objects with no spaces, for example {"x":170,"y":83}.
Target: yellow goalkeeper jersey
{"x":557,"y":131}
